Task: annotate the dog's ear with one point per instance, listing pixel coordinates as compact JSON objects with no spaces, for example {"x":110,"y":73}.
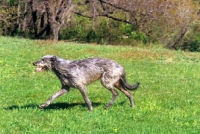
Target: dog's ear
{"x":53,"y":58}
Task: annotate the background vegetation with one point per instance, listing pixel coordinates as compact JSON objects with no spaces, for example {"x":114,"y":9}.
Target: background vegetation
{"x":167,"y":100}
{"x":172,"y":23}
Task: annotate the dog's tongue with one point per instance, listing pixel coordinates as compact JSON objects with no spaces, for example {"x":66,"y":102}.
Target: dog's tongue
{"x":39,"y":69}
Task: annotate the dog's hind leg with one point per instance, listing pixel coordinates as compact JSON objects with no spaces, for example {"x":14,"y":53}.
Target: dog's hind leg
{"x":127,"y":93}
{"x":52,"y":98}
{"x":85,"y":97}
{"x":108,"y":83}
{"x":114,"y":96}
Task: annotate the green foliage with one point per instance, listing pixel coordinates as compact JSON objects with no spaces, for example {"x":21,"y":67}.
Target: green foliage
{"x":103,"y":31}
{"x":84,"y":30}
{"x":139,"y":36}
{"x":131,"y":31}
{"x":12,"y":2}
{"x":193,"y":46}
{"x":8,"y":21}
{"x":77,"y":31}
{"x":192,"y":40}
{"x":127,"y":28}
{"x":166,"y":102}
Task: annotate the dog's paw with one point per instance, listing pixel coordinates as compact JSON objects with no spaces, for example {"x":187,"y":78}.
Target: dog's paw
{"x":43,"y":105}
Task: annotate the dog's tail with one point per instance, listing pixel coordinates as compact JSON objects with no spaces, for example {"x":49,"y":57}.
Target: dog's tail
{"x":126,"y":85}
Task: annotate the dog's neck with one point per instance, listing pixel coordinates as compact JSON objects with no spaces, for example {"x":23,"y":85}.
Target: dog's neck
{"x":55,"y":67}
{"x":60,"y":60}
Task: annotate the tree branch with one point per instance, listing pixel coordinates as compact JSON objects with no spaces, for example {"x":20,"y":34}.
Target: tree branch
{"x":104,"y":15}
{"x":116,"y":19}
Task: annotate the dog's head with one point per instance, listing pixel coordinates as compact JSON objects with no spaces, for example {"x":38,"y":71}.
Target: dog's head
{"x":45,"y":63}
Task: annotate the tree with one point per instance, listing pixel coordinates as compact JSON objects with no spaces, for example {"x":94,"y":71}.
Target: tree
{"x":163,"y":20}
{"x":48,"y":16}
{"x":167,"y":21}
{"x":8,"y":19}
{"x":179,"y":19}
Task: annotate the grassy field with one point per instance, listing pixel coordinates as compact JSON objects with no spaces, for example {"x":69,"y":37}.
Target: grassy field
{"x":167,"y":100}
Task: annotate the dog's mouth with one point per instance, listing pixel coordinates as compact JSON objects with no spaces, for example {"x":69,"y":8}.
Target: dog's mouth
{"x":40,"y":69}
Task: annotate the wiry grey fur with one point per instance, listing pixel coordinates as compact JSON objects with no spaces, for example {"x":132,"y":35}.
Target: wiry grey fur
{"x":80,"y":73}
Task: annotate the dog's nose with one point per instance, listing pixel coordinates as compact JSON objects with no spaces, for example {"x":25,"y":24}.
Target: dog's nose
{"x":34,"y":63}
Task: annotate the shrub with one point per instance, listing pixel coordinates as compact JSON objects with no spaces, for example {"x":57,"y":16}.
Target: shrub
{"x":192,"y":40}
{"x":192,"y":45}
{"x":103,"y":31}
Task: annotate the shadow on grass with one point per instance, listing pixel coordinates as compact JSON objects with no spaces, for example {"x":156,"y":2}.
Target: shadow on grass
{"x":52,"y":106}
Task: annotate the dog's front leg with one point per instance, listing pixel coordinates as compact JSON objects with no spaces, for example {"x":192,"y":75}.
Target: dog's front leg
{"x":85,"y":97}
{"x":52,"y":98}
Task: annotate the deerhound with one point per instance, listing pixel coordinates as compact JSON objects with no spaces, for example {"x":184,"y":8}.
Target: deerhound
{"x":80,"y":73}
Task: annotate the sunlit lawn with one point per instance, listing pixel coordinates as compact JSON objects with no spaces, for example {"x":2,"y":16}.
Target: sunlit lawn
{"x":167,"y":100}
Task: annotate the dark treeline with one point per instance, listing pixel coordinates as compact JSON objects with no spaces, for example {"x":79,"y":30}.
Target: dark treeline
{"x":173,"y":23}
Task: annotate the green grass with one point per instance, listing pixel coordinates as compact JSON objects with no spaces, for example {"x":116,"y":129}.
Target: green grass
{"x":167,"y":101}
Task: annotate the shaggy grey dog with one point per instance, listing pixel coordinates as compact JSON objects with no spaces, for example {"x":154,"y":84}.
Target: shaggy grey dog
{"x":80,"y":73}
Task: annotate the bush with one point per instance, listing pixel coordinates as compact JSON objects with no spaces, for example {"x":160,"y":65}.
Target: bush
{"x":103,"y":31}
{"x":192,"y":40}
{"x":192,"y":45}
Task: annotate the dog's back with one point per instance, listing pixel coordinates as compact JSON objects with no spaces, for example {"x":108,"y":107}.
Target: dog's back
{"x":88,"y":70}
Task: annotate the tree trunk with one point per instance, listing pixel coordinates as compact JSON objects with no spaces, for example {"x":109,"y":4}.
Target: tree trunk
{"x":48,"y":16}
{"x":178,"y":38}
{"x":54,"y":30}
{"x":56,"y":17}
{"x":18,"y":14}
{"x":24,"y":20}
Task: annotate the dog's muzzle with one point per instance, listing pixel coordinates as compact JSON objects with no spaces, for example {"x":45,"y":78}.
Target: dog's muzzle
{"x":39,"y":68}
